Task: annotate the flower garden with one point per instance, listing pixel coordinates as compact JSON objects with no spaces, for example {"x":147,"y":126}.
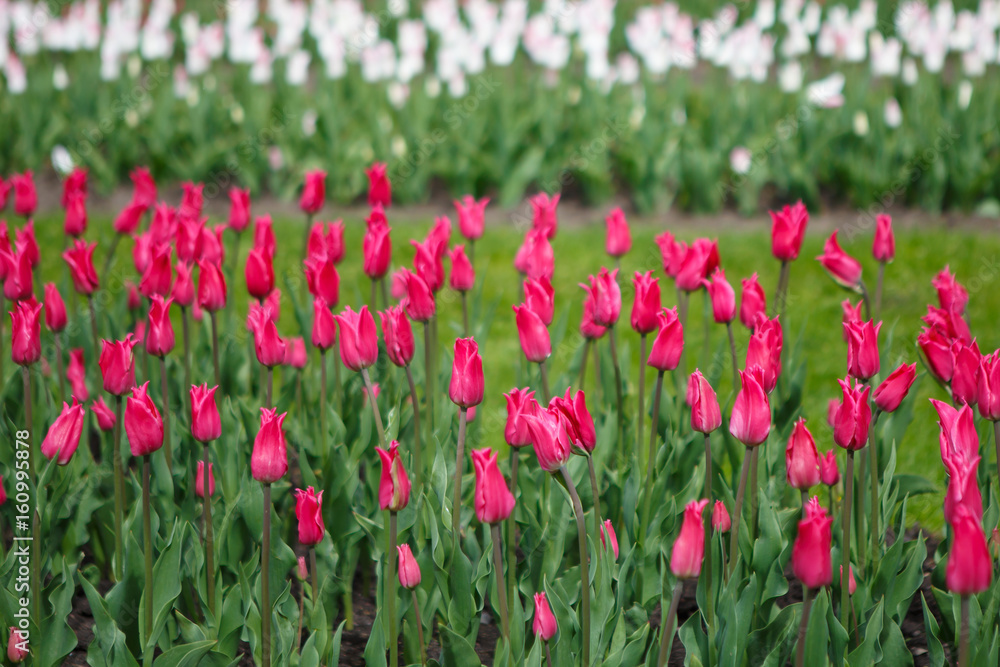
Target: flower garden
{"x":245,"y":432}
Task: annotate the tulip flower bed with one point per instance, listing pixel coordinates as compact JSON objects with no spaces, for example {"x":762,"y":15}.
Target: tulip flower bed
{"x":439,"y":425}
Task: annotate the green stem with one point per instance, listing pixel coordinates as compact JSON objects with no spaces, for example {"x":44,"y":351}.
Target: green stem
{"x":878,"y":290}
{"x":147,"y":547}
{"x":581,"y":530}
{"x":165,"y":396}
{"x":667,"y":638}
{"x":315,"y":576}
{"x":501,"y":589}
{"x":93,"y":327}
{"x":116,"y":457}
{"x":456,"y":506}
{"x":209,"y":535}
{"x":305,"y":238}
{"x":642,"y":403}
{"x":418,"y":467}
{"x":390,"y":593}
{"x":618,"y":385}
{"x":845,"y":546}
{"x":583,"y":364}
{"x":215,"y":346}
{"x":59,"y":366}
{"x":515,"y":457}
{"x":800,"y":650}
{"x":36,"y":556}
{"x":116,"y":239}
{"x":420,"y":628}
{"x":708,"y":531}
{"x":546,"y":394}
{"x":465,"y":314}
{"x":779,"y":295}
{"x":265,"y":582}
{"x":732,"y":353}
{"x":597,"y":372}
{"x":873,"y":472}
{"x":186,"y":329}
{"x":963,"y":637}
{"x":595,"y":492}
{"x":322,"y":401}
{"x":429,"y":379}
{"x":647,"y":497}
{"x":734,"y":534}
{"x":754,"y":483}
{"x":371,"y":401}
{"x":270,"y":387}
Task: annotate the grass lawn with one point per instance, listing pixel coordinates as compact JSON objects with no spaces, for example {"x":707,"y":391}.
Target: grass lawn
{"x":813,"y":311}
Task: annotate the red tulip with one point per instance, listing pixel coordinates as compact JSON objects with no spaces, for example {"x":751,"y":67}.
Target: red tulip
{"x":963,"y":492}
{"x":533,"y":335}
{"x":850,"y":430}
{"x":646,"y":307}
{"x":937,"y":352}
{"x":439,"y":236}
{"x":143,"y":187}
{"x":544,"y":624}
{"x":851,"y":315}
{"x":665,"y":355}
{"x":829,"y":473}
{"x":764,"y":350}
{"x":75,"y":222}
{"x":419,"y":301}
{"x":576,"y":418}
{"x":189,"y":238}
{"x":81,"y":266}
{"x":379,"y":188}
{"x":689,"y":549}
{"x":471,"y":216}
{"x":884,"y":245}
{"x":211,"y":286}
{"x":129,"y":218}
{"x":159,"y":273}
{"x":549,"y":440}
{"x":788,"y":227}
{"x":295,"y":353}
{"x":17,"y":646}
{"x":160,"y":331}
{"x":75,"y":185}
{"x":183,"y":291}
{"x":394,"y":485}
{"x":269,"y":461}
{"x":199,"y":480}
{"x":539,"y":296}
{"x":467,"y":384}
{"x":965,"y":378}
{"x":77,"y":375}
{"x":313,"y":192}
{"x":358,"y":338}
{"x":891,"y":392}
{"x":608,"y":534}
{"x":26,"y":243}
{"x":672,"y":253}
{"x":844,"y":269}
{"x":701,"y":258}
{"x":409,"y":569}
{"x":801,"y":458}
{"x":958,"y":439}
{"x":273,"y":304}
{"x":377,"y":251}
{"x":751,"y":419}
{"x":428,"y":265}
{"x":520,"y":405}
{"x":862,"y":349}
{"x":118,"y":365}
{"x":324,"y":329}
{"x":376,"y":218}
{"x":329,"y":242}
{"x":268,"y":344}
{"x":588,"y":328}
{"x":19,"y":280}
{"x":536,"y":258}
{"x":322,"y":279}
{"x":811,"y":560}
{"x":55,"y":309}
{"x":606,"y":295}
{"x":239,"y":209}
{"x":705,"y":413}
{"x":721,"y":523}
{"x":723,"y":297}
{"x":493,"y":500}
{"x":143,"y":423}
{"x":988,"y":397}
{"x":618,"y":240}
{"x":163,"y":227}
{"x":104,"y":414}
{"x":752,"y":302}
{"x":191,"y":200}
{"x":949,"y":324}
{"x":952,"y":297}
{"x":259,"y":273}
{"x":26,"y":333}
{"x":309,"y":513}
{"x":545,"y":218}
{"x":25,"y":195}
{"x":64,"y":435}
{"x":142,"y":252}
{"x":970,"y":567}
{"x":205,"y":423}
{"x":463,"y":277}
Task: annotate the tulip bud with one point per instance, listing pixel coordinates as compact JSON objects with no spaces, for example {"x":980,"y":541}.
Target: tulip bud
{"x":263,"y":235}
{"x":701,"y":258}
{"x":463,"y":277}
{"x":143,"y":423}
{"x":18,"y":282}
{"x":544,"y":210}
{"x":25,"y":195}
{"x":646,"y":307}
{"x":309,"y":512}
{"x":665,"y":355}
{"x":811,"y":560}
{"x":752,"y":302}
{"x":891,"y":392}
{"x":55,"y":309}
{"x":259,"y":273}
{"x":607,"y":297}
{"x":862,"y":349}
{"x":301,"y":569}
{"x":520,"y":405}
{"x":199,"y":480}
{"x":159,"y":273}
{"x":723,"y":297}
{"x":970,"y":569}
{"x":854,"y":416}
{"x":428,"y":264}
{"x":721,"y":523}
{"x":608,"y":534}
{"x":618,"y":240}
{"x":952,"y":296}
{"x":689,"y":549}
{"x":183,"y":290}
{"x":269,"y":461}
{"x":239,"y":209}
{"x":937,"y":352}
{"x":75,"y":185}
{"x":27,"y":244}
{"x":764,"y":350}
{"x":751,"y":419}
{"x":672,"y":253}
{"x":358,"y":338}
{"x":394,"y":485}
{"x":26,"y":333}
{"x":409,"y":569}
{"x":206,"y":425}
{"x":884,"y":245}
{"x":295,"y":353}
{"x":467,"y":385}
{"x":588,"y":328}
{"x":160,"y":331}
{"x":379,"y":188}
{"x":419,"y":301}
{"x":322,"y":279}
{"x":377,"y":248}
{"x":77,"y":375}
{"x":269,"y":346}
{"x":536,"y":258}
{"x":324,"y":329}
{"x":544,"y":625}
{"x":534,"y":337}
{"x":105,"y":417}
{"x":801,"y":458}
{"x":314,"y":192}
{"x":471,"y":216}
{"x":17,"y":646}
{"x":549,"y":440}
{"x":211,"y":286}
{"x":80,"y":259}
{"x":965,"y":377}
{"x":75,"y":223}
{"x":852,"y":584}
{"x":576,"y":418}
{"x":844,"y":269}
{"x":829,"y":473}
{"x":788,"y":227}
{"x":705,"y":413}
{"x":988,"y":398}
{"x":539,"y":296}
{"x":493,"y":500}
{"x":64,"y":435}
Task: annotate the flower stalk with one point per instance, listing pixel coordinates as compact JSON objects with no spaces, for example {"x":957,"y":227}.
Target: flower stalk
{"x":734,"y":534}
{"x":581,"y":530}
{"x":845,"y":547}
{"x":209,"y":535}
{"x":667,"y":638}
{"x":651,"y":459}
{"x":456,"y":506}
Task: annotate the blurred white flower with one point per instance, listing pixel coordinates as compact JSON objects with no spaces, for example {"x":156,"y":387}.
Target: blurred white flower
{"x":309,"y":118}
{"x":964,"y":94}
{"x":398,"y":147}
{"x":236,"y":114}
{"x":764,"y":16}
{"x":679,"y":116}
{"x":432,"y":86}
{"x":910,"y":73}
{"x":741,"y":159}
{"x":398,"y":93}
{"x":860,"y":123}
{"x":60,"y":79}
{"x":180,"y":82}
{"x":275,"y":159}
{"x":826,"y":92}
{"x":790,"y":77}
{"x":134,"y":66}
{"x":893,"y":113}
{"x":62,"y":161}
{"x":297,"y":67}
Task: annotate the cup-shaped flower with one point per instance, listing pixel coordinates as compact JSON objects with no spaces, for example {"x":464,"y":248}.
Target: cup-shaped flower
{"x":665,"y":354}
{"x":76,"y":373}
{"x":159,"y":338}
{"x":988,"y":399}
{"x":239,"y":209}
{"x":544,"y":624}
{"x":608,"y":535}
{"x":394,"y":484}
{"x":606,"y":295}
{"x":322,"y":278}
{"x":829,"y":473}
{"x":844,"y":269}
{"x":892,"y":390}
{"x":313,"y":192}
{"x":952,"y":296}
{"x":618,"y":239}
{"x":463,"y":277}
{"x":309,"y":513}
{"x":578,"y":423}
{"x":206,"y":425}
{"x":63,"y":438}
{"x":379,"y":188}
{"x":549,"y":440}
{"x":199,"y":480}
{"x":409,"y":568}
{"x":358,"y":338}
{"x":55,"y":309}
{"x":377,"y":248}
{"x":752,"y":302}
{"x":470,"y":212}
{"x":701,"y":258}
{"x":853,"y":419}
{"x":764,"y":350}
{"x":143,"y":423}
{"x":646,"y":307}
{"x":689,"y":548}
{"x":268,"y":344}
{"x":539,"y":296}
{"x":269,"y":461}
{"x":937,"y":352}
{"x":467,"y":385}
{"x":26,"y":333}
{"x":419,"y":300}
{"x":751,"y":419}
{"x":520,"y":405}
{"x":884,"y":245}
{"x":862,"y":349}
{"x":965,"y":376}
{"x":118,"y":365}
{"x":544,"y":210}
{"x":324,"y":328}
{"x":158,"y":275}
{"x":811,"y":560}
{"x":788,"y":228}
{"x":259,"y":273}
{"x":75,"y":222}
{"x":105,"y":416}
{"x":970,"y":567}
{"x":17,"y":646}
{"x":590,"y":329}
{"x":80,"y":260}
{"x":721,"y":523}
{"x":18,"y":284}
{"x":801,"y":458}
{"x":211,"y":286}
{"x":723,"y":297}
{"x":706,"y":416}
{"x":534,"y":337}
{"x":493,"y":500}
{"x":25,"y":194}
{"x":398,"y":334}
{"x":183,"y":290}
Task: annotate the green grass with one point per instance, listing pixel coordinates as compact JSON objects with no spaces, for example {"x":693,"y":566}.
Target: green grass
{"x":813,"y":313}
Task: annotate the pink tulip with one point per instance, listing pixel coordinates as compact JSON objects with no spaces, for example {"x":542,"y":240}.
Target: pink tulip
{"x":269,"y":460}
{"x":467,"y":384}
{"x":199,"y":480}
{"x":970,"y":567}
{"x":606,"y":295}
{"x":689,"y":549}
{"x":544,"y":624}
{"x":322,"y":279}
{"x":18,"y":280}
{"x":752,"y":302}
{"x":55,"y":309}
{"x":159,"y":337}
{"x":549,"y":440}
{"x":590,"y":329}
{"x":143,"y":187}
{"x":701,"y":258}
{"x":211,"y":286}
{"x":25,"y":195}
{"x":63,"y":436}
{"x":143,"y":423}
{"x":463,"y":278}
{"x":192,"y":199}
{"x":988,"y":398}
{"x":324,"y":329}
{"x":721,"y":523}
{"x":965,"y":377}
{"x":206,"y":425}
{"x":26,"y":332}
{"x":751,"y":419}
{"x":17,"y":646}
{"x":952,"y":296}
{"x":398,"y":334}
{"x":672,"y":253}
{"x":862,"y":349}
{"x":851,"y":316}
{"x":313,"y":192}
{"x":309,"y":513}
{"x":723,"y":297}
{"x":576,"y":418}
{"x":521,"y":404}
{"x":75,"y":185}
{"x":937,"y":352}
{"x":764,"y":350}
{"x":77,"y":375}
{"x":608,"y":535}
{"x":471,"y":216}
{"x":829,"y":473}
{"x":646,"y":306}
{"x":394,"y":485}
{"x":850,"y":430}
{"x":533,"y":335}
{"x":268,"y":344}
{"x":844,"y":269}
{"x":379,"y":188}
{"x":259,"y":273}
{"x":493,"y":500}
{"x":419,"y":301}
{"x":884,"y":245}
{"x":358,"y":338}
{"x":118,"y":365}
{"x":811,"y":561}
{"x":801,"y":458}
{"x":75,"y":222}
{"x":539,"y":296}
{"x":618,"y":240}
{"x":545,"y":218}
{"x":536,"y":259}
{"x":788,"y":228}
{"x":239,"y":209}
{"x":706,"y":415}
{"x":409,"y":569}
{"x":377,"y":248}
{"x":80,"y":259}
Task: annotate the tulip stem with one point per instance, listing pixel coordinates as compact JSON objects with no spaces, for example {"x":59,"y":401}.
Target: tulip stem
{"x":322,"y":401}
{"x":501,"y":589}
{"x":515,"y":457}
{"x":417,"y":458}
{"x":647,"y":498}
{"x":548,"y":655}
{"x":581,"y":530}
{"x":390,"y":592}
{"x":315,"y":576}
{"x":873,"y":472}
{"x":270,"y":386}
{"x":109,"y":258}
{"x":618,"y":384}
{"x":642,"y":402}
{"x":59,"y":366}
{"x":305,"y":241}
{"x":963,"y":637}
{"x":116,"y":457}
{"x":597,"y":371}
{"x":732,"y":353}
{"x":546,"y":394}
{"x":754,"y":482}
{"x":186,"y":328}
{"x":428,"y":379}
{"x":385,"y":291}
{"x":465,"y":313}
{"x":866,"y":298}
{"x":378,"y":415}
{"x":420,"y":628}
{"x":456,"y":506}
{"x":164,"y":381}
{"x":215,"y":346}
{"x":996,"y":441}
{"x":302,"y":609}
{"x":779,"y":297}
{"x":845,"y":546}
{"x":209,"y":534}
{"x":595,"y":492}
{"x":147,"y":547}
{"x":36,"y":558}
{"x":734,"y":535}
{"x":667,"y":638}
{"x":800,"y":649}
{"x":265,"y":582}
{"x":374,"y":296}
{"x":583,"y":367}
{"x":93,"y":326}
{"x":708,"y":531}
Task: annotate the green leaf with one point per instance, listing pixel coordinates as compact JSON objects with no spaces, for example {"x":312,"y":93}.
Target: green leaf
{"x":935,"y":651}
{"x":186,"y":655}
{"x":456,"y":651}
